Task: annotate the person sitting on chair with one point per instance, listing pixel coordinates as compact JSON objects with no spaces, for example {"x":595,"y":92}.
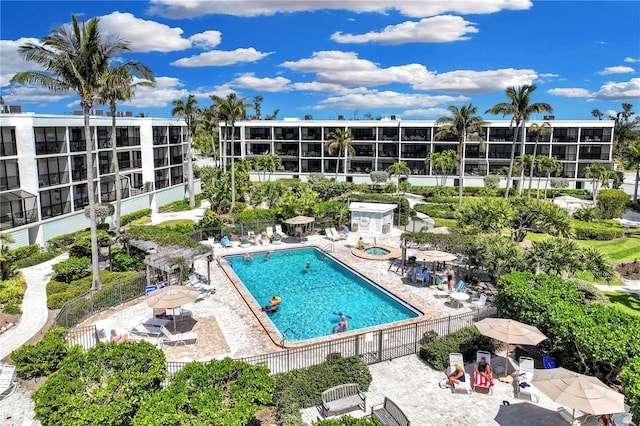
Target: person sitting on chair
{"x":606,"y":420}
{"x":360,"y":243}
{"x":456,"y":376}
{"x":118,"y":338}
{"x":484,"y":369}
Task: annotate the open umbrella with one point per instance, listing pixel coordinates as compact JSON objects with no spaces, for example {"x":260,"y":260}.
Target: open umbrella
{"x":510,"y":332}
{"x":580,"y":392}
{"x":172,"y":297}
{"x":435,"y":255}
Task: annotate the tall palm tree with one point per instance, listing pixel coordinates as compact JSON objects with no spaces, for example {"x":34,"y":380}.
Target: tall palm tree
{"x":208,"y":123}
{"x":271,"y":163}
{"x":189,"y":110}
{"x":117,"y":85}
{"x":399,"y":169}
{"x":443,"y":161}
{"x":552,"y":167}
{"x":231,"y":109}
{"x":74,"y":58}
{"x":632,"y":155}
{"x":539,"y":130}
{"x":464,"y":122}
{"x":520,"y":110}
{"x":339,"y":141}
{"x":598,"y":174}
{"x":523,"y":161}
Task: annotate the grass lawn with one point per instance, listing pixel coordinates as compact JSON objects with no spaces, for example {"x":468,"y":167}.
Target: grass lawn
{"x":588,"y":276}
{"x":175,"y":222}
{"x":451,"y":223}
{"x":627,"y":302}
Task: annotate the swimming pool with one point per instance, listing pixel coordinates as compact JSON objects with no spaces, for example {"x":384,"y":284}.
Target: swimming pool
{"x":312,"y":298}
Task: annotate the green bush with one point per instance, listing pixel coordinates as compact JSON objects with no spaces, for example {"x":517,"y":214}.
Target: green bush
{"x":441,"y":210}
{"x":58,"y":293}
{"x":160,"y":235}
{"x":82,"y":244}
{"x":11,"y":309}
{"x":42,"y":358}
{"x":611,"y":203}
{"x":37,"y":259}
{"x":126,"y":219}
{"x":11,"y":293}
{"x":596,"y":231}
{"x":122,"y":262}
{"x":303,"y":388}
{"x":255,"y":214}
{"x":24,"y":252}
{"x":72,"y":269}
{"x":586,"y":214}
{"x":630,"y":376}
{"x":467,"y":341}
{"x":491,"y":181}
{"x":64,"y":241}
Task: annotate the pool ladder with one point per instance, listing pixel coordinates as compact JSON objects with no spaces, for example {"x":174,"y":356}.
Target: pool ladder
{"x":329,"y":248}
{"x":288,"y":330}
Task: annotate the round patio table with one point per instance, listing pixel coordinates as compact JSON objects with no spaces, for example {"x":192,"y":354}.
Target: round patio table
{"x":459,"y":297}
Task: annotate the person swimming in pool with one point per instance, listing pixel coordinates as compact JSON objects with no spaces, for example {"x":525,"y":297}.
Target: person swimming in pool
{"x":267,"y":255}
{"x":342,"y":326}
{"x":248,"y":257}
{"x":307,"y":267}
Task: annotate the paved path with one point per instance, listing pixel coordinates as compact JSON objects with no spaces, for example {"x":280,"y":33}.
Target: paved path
{"x":34,"y":306}
{"x":629,"y":286}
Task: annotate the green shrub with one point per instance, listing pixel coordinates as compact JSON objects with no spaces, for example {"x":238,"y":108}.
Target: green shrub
{"x":37,"y":258}
{"x":82,"y":244}
{"x":586,"y":214}
{"x":59,"y":293}
{"x":42,"y":358}
{"x":126,"y":219}
{"x":591,"y":293}
{"x":72,"y":269}
{"x":467,"y":341}
{"x":175,"y":206}
{"x":441,"y":210}
{"x":630,"y":377}
{"x":491,"y":181}
{"x":64,"y":241}
{"x":303,"y":388}
{"x":11,"y":309}
{"x":255,"y":214}
{"x":11,"y":293}
{"x":121,"y":261}
{"x":611,"y":203}
{"x":24,"y":252}
{"x":160,"y":235}
{"x":596,"y":231}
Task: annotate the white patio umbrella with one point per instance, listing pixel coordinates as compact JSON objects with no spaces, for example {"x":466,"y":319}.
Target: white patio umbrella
{"x":510,"y":332}
{"x":172,"y":297}
{"x":578,"y":391}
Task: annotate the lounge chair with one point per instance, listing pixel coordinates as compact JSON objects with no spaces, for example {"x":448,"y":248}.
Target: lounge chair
{"x":269,"y":232}
{"x":423,"y":277}
{"x":480,"y":381}
{"x":524,"y":376}
{"x":329,"y":234}
{"x":460,"y":287}
{"x":7,"y":382}
{"x":480,"y":302}
{"x":456,"y":358}
{"x":337,"y":235}
{"x":252,"y":237}
{"x":279,"y":231}
{"x":178,"y":338}
{"x":138,"y":328}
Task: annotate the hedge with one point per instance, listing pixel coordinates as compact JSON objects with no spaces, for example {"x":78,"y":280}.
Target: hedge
{"x":596,"y":231}
{"x":24,"y":252}
{"x":37,"y":259}
{"x":126,"y":219}
{"x":160,"y":235}
{"x":467,"y":341}
{"x":65,"y":240}
{"x":441,"y":210}
{"x":611,"y":203}
{"x":44,"y":357}
{"x":303,"y":388}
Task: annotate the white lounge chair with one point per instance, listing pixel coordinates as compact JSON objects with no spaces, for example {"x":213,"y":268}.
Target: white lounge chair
{"x":479,"y":381}
{"x":269,"y":232}
{"x":178,"y":338}
{"x":337,"y":235}
{"x":279,"y":231}
{"x":480,"y":302}
{"x":7,"y":382}
{"x":456,"y":358}
{"x":524,"y":376}
{"x":329,"y":234}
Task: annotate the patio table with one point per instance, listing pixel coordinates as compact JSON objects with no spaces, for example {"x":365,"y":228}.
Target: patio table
{"x":458,"y":297}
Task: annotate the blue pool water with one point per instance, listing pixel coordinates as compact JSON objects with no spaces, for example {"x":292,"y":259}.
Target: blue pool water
{"x":310,"y":298}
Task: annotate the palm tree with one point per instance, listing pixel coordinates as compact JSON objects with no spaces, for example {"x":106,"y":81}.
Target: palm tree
{"x":7,"y":267}
{"x":272,"y":162}
{"x":520,"y":109}
{"x":539,"y":130}
{"x":551,"y":166}
{"x":231,"y":109}
{"x":632,"y":154}
{"x":74,"y":58}
{"x":117,"y":85}
{"x":443,"y":161}
{"x":522,"y":162}
{"x":463,"y":123}
{"x":598,"y":174}
{"x":339,"y":141}
{"x":189,"y":110}
{"x":399,"y":169}
{"x":208,"y":123}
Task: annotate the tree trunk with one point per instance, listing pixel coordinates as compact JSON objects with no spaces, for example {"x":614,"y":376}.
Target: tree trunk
{"x":635,"y":187}
{"x":93,"y":225}
{"x":533,"y":163}
{"x":461,"y":165}
{"x":192,"y":195}
{"x":546,"y":184}
{"x":512,"y":160}
{"x":233,"y":169}
{"x":116,"y":171}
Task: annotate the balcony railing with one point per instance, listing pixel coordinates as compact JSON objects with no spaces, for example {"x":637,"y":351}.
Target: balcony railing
{"x":52,"y":179}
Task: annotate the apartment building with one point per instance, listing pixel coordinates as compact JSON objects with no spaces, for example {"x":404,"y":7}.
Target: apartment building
{"x":43,"y":174}
{"x":380,"y":143}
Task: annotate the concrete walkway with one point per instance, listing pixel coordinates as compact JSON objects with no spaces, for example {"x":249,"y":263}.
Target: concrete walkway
{"x":34,"y":306}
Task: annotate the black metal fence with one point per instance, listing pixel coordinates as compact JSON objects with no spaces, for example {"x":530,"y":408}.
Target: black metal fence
{"x":79,"y":309}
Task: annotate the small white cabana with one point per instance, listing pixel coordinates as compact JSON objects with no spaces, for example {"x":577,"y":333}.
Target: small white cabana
{"x":376,"y":218}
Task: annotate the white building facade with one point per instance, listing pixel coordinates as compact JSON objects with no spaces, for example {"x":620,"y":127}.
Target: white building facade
{"x":381,"y":143}
{"x":43,"y":179}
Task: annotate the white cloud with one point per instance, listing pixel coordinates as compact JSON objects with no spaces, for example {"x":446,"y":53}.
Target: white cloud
{"x":207,"y":39}
{"x":613,"y":91}
{"x":12,"y":61}
{"x":437,"y":29}
{"x":616,"y":70}
{"x":316,"y":86}
{"x":216,"y":58}
{"x":569,"y":92}
{"x":386,"y":99}
{"x":35,"y":95}
{"x":347,"y":70}
{"x":144,"y":35}
{"x":177,"y":9}
{"x":425,"y":113}
{"x":632,"y":60}
{"x":250,"y":81}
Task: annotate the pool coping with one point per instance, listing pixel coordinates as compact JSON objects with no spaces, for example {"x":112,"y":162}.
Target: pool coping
{"x":275,"y":336}
{"x":394,"y":252}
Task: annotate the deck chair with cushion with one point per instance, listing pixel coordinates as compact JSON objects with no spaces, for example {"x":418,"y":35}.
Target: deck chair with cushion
{"x":329,"y":234}
{"x":456,"y":358}
{"x":279,"y":231}
{"x":144,"y":330}
{"x":337,"y":235}
{"x":178,"y":338}
{"x":524,"y":376}
{"x":269,"y":232}
{"x":480,"y":381}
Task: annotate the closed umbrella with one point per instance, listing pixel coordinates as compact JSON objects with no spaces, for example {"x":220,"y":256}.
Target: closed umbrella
{"x":510,"y":332}
{"x":172,"y":297}
{"x":578,"y":391}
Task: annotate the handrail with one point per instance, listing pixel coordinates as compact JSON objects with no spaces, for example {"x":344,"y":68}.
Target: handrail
{"x":284,"y":337}
{"x":329,"y":248}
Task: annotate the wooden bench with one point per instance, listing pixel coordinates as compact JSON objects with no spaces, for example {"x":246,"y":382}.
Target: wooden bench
{"x":389,"y":413}
{"x":343,"y":398}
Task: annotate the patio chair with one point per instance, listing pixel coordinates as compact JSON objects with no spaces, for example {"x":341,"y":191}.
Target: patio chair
{"x":329,"y":234}
{"x":7,"y":382}
{"x":457,"y":358}
{"x":269,"y":232}
{"x":252,"y":237}
{"x":460,"y":287}
{"x":424,"y":277}
{"x":178,"y":338}
{"x":144,"y":330}
{"x":480,"y":381}
{"x":524,"y":376}
{"x":279,"y":231}
{"x":480,"y":302}
{"x":337,"y":235}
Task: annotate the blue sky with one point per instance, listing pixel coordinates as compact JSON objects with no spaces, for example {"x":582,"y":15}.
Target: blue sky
{"x":411,"y":58}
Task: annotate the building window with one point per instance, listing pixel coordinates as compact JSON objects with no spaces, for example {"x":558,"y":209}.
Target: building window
{"x":160,"y":135}
{"x":52,"y":171}
{"x":8,"y":144}
{"x":55,"y":202}
{"x":9,"y":175}
{"x":50,"y":140}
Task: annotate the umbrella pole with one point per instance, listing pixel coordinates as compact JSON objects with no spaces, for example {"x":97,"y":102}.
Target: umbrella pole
{"x":573,"y":416}
{"x":506,"y":361}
